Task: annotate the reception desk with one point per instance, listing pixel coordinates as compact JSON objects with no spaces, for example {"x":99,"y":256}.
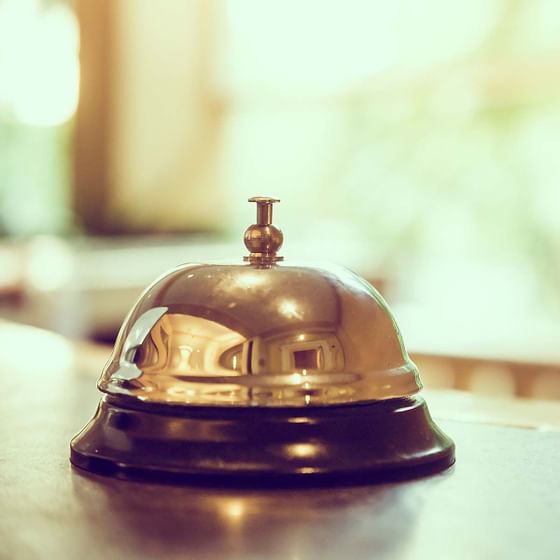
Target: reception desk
{"x":500,"y":500}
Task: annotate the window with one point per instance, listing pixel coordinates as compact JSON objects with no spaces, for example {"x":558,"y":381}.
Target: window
{"x":39,"y":77}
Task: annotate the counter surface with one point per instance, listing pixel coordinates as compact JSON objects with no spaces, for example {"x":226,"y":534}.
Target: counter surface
{"x":500,"y":500}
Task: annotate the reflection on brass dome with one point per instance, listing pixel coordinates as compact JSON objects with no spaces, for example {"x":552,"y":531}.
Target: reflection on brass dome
{"x":252,"y":335}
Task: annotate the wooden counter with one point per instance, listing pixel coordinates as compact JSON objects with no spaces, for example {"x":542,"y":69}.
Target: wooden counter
{"x":501,"y":499}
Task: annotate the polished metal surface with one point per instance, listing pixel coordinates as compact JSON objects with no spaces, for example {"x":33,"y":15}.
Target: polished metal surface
{"x":263,"y":239}
{"x":260,"y":333}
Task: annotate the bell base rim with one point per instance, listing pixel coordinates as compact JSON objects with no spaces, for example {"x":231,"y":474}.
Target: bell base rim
{"x":351,"y":444}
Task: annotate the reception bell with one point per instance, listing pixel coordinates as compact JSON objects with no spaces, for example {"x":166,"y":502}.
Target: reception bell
{"x":261,"y":370}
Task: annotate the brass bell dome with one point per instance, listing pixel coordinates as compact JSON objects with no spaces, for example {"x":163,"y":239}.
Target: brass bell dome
{"x":257,"y":335}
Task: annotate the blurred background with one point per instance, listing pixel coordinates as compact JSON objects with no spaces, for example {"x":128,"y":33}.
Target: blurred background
{"x":417,"y":143}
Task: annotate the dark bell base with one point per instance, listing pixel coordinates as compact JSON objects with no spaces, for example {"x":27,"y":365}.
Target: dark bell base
{"x":346,"y":444}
